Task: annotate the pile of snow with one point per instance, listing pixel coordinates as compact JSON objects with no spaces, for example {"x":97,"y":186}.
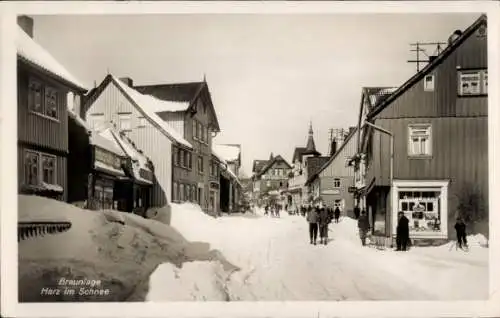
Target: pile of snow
{"x":194,"y":281}
{"x":120,"y":249}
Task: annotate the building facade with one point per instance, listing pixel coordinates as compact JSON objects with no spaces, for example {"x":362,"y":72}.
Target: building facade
{"x":191,"y":113}
{"x":332,"y":182}
{"x":438,"y":121}
{"x":270,"y":182}
{"x":115,"y":103}
{"x":43,"y":88}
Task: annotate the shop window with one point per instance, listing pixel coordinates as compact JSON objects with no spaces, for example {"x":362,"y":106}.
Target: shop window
{"x":419,"y":143}
{"x":422,"y":210}
{"x":429,"y":83}
{"x":472,"y":82}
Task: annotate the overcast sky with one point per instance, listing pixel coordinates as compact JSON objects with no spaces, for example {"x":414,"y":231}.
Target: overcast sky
{"x":269,"y":75}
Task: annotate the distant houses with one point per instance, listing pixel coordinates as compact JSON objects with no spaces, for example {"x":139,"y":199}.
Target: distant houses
{"x":270,"y":180}
{"x":118,"y":146}
{"x":423,"y":148}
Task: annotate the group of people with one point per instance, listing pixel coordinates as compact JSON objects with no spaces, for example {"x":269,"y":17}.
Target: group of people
{"x":273,"y":209}
{"x":318,"y":219}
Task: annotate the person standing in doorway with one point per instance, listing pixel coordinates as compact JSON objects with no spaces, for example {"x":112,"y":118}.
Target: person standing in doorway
{"x":312,"y":219}
{"x":337,"y":214}
{"x":402,"y":232}
{"x":461,"y":233}
{"x":363,"y":226}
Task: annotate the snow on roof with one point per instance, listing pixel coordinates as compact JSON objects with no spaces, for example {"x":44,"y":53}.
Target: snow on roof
{"x":33,"y":52}
{"x":105,"y":140}
{"x":107,"y":168}
{"x":78,"y":119}
{"x":140,"y":161}
{"x":149,"y":105}
{"x":228,"y":152}
{"x":158,"y":105}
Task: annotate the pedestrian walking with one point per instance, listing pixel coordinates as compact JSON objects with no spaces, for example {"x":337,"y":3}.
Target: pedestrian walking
{"x":402,"y":232}
{"x":460,"y":228}
{"x":323,"y":225}
{"x":337,"y":214}
{"x":278,"y":208}
{"x":331,"y":215}
{"x":363,"y":226}
{"x":266,"y":210}
{"x":312,"y":219}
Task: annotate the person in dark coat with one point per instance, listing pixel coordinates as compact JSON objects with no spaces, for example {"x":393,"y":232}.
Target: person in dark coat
{"x":331,"y":215}
{"x":323,"y":225}
{"x":461,"y":233}
{"x":402,"y":232}
{"x":356,"y":212}
{"x":337,"y":214}
{"x":363,"y":226}
{"x":266,"y":210}
{"x":312,"y":219}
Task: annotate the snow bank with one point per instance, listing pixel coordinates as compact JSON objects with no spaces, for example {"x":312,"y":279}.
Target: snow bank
{"x":193,"y":281}
{"x":120,"y":249}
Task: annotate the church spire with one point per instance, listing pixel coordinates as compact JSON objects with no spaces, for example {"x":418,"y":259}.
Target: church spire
{"x":311,"y":147}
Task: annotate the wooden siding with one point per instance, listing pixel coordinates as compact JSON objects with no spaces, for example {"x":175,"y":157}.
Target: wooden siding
{"x":34,"y":128}
{"x":149,"y":139}
{"x":61,"y":169}
{"x":174,"y":120}
{"x":444,"y":100}
{"x":338,"y":166}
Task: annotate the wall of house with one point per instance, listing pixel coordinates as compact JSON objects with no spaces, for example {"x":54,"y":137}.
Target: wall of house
{"x":459,"y":137}
{"x":150,"y":139}
{"x":34,"y":128}
{"x":174,"y":120}
{"x":327,"y":186}
{"x":79,"y":162}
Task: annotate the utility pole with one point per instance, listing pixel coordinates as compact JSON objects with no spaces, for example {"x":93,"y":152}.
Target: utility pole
{"x":420,"y":47}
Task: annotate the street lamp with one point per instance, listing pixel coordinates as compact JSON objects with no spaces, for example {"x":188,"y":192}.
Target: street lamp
{"x":391,"y":167}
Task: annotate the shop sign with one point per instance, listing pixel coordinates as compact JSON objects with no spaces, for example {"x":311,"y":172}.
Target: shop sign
{"x":351,"y":189}
{"x":107,"y":158}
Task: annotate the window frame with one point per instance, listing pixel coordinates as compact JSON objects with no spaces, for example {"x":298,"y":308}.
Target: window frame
{"x":482,"y":74}
{"x":411,"y":135}
{"x":40,"y":168}
{"x":44,"y":90}
{"x":335,"y":181}
{"x":433,"y":81}
{"x":125,"y":117}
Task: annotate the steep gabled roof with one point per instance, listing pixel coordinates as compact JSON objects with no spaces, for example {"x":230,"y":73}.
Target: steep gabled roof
{"x":184,"y":94}
{"x":297,"y":153}
{"x":258,"y":165}
{"x":330,"y":159}
{"x":31,"y":52}
{"x":482,"y":20}
{"x":270,"y":163}
{"x":228,"y":152}
{"x":314,"y":164}
{"x":143,"y":103}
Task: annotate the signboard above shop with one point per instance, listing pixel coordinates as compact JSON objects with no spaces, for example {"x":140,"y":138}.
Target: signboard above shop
{"x":331,"y":191}
{"x":108,"y":158}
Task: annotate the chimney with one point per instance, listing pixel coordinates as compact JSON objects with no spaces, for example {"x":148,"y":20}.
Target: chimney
{"x":333,"y":148}
{"x":26,"y":23}
{"x":128,"y":81}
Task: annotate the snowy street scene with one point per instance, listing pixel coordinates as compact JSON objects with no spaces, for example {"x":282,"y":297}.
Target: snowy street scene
{"x":253,"y":157}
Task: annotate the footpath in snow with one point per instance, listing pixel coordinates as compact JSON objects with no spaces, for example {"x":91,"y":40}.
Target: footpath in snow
{"x":277,"y":262}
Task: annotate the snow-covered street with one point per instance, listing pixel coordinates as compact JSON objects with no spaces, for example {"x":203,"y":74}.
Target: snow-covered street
{"x":277,"y":262}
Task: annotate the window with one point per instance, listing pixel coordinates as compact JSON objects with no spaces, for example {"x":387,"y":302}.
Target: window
{"x":49,"y":166}
{"x":142,"y":122}
{"x":473,"y":82}
{"x":429,"y":83}
{"x":186,"y":159}
{"x":125,"y":121}
{"x":200,"y":131}
{"x":336,"y":183}
{"x":31,"y":168}
{"x":176,"y":156}
{"x":200,"y":164}
{"x":195,"y":129}
{"x":38,"y":168}
{"x":419,"y":143}
{"x":181,"y":157}
{"x":50,"y":102}
{"x":212,"y":172}
{"x":175,"y":193}
{"x":42,"y":99}
{"x":35,"y":96}
{"x":181,"y":192}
